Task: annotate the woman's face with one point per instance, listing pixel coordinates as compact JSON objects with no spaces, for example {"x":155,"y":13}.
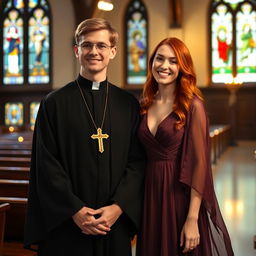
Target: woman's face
{"x":165,"y":68}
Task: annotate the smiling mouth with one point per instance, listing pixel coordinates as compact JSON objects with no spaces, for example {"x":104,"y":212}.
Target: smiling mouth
{"x":164,"y":73}
{"x":93,"y":59}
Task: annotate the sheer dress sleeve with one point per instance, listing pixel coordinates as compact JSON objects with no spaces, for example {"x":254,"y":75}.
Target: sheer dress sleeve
{"x":196,"y":173}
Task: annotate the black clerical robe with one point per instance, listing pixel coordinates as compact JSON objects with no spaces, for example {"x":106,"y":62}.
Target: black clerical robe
{"x":68,"y":172}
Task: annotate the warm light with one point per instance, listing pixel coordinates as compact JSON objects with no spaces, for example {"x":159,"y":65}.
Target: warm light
{"x":239,"y":208}
{"x":105,"y":5}
{"x":20,"y":139}
{"x":32,"y":127}
{"x":229,"y":208}
{"x":234,"y":81}
{"x":216,"y":132}
{"x":11,"y":129}
{"x":234,"y":208}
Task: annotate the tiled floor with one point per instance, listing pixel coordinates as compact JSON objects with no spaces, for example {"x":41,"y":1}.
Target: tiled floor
{"x":235,"y":186}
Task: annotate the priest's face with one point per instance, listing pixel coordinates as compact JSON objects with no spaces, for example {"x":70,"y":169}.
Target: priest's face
{"x":94,"y":51}
{"x":165,"y":68}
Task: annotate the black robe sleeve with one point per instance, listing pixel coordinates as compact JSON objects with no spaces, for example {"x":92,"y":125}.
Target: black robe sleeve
{"x":50,"y":192}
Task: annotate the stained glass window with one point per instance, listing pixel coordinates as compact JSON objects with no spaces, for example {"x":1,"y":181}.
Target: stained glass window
{"x":221,"y":44}
{"x":14,"y":114}
{"x":136,"y":43}
{"x":13,"y":48}
{"x":39,"y":47}
{"x":246,"y":43}
{"x":34,"y":106}
{"x":233,"y":51}
{"x":26,"y":42}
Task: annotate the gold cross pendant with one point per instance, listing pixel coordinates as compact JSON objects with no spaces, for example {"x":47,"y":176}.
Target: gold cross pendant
{"x":99,"y":136}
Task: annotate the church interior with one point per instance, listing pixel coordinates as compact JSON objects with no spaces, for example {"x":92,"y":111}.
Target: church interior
{"x":37,"y":57}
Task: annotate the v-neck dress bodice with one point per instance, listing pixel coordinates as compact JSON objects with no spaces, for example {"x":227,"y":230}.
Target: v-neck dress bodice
{"x":163,"y":192}
{"x":165,"y":144}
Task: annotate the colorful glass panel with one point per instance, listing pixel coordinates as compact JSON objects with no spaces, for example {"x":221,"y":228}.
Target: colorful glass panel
{"x":221,"y":40}
{"x":14,"y":114}
{"x":39,"y":43}
{"x":13,"y":48}
{"x":233,"y":3}
{"x":8,"y":6}
{"x":246,"y":43}
{"x":34,"y":106}
{"x":19,"y":4}
{"x":44,"y":4}
{"x":32,"y":4}
{"x":137,"y":34}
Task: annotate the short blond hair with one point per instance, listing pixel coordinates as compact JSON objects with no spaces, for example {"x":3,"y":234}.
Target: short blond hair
{"x":95,"y":24}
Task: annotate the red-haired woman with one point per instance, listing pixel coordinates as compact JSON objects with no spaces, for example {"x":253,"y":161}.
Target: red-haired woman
{"x":181,"y":213}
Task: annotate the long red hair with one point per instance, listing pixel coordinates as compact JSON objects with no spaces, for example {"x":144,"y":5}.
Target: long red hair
{"x":185,"y":88}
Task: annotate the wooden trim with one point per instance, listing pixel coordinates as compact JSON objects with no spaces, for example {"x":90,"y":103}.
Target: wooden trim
{"x":15,"y":200}
{"x":176,"y":13}
{"x":83,"y":9}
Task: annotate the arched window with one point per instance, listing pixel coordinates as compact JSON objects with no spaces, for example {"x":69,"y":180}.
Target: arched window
{"x":25,"y":60}
{"x":25,"y":36}
{"x":233,"y":40}
{"x":136,"y":43}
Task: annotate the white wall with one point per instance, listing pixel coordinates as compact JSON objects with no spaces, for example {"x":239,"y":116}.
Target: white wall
{"x":63,"y":24}
{"x":195,"y":31}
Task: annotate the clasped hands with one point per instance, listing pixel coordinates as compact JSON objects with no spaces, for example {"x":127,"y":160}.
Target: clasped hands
{"x":88,"y":221}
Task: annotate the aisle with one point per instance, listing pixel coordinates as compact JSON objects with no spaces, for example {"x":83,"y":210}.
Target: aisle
{"x":235,"y":186}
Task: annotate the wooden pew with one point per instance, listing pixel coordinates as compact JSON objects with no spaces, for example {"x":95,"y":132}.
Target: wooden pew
{"x":15,"y":173}
{"x":15,"y":146}
{"x":220,"y":139}
{"x":15,"y":153}
{"x":13,"y":188}
{"x":3,"y":208}
{"x":11,"y":141}
{"x":15,"y":218}
{"x":15,"y":161}
{"x":15,"y":135}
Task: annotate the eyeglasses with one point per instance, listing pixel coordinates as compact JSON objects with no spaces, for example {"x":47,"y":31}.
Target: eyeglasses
{"x":88,"y":46}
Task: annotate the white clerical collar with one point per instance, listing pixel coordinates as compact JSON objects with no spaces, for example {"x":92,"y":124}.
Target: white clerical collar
{"x":95,"y":86}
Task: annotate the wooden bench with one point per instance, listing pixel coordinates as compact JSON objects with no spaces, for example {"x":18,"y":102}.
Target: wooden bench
{"x":28,"y":135}
{"x":15,"y":146}
{"x":220,"y":139}
{"x":15,"y":153}
{"x":13,"y":188}
{"x":15,"y":218}
{"x":15,"y":161}
{"x":3,"y":208}
{"x":15,"y":173}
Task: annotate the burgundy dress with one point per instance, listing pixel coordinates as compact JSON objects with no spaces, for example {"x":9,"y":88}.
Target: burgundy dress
{"x":179,"y":160}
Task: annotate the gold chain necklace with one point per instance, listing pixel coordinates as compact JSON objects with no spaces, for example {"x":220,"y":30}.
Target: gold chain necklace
{"x":99,"y":136}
